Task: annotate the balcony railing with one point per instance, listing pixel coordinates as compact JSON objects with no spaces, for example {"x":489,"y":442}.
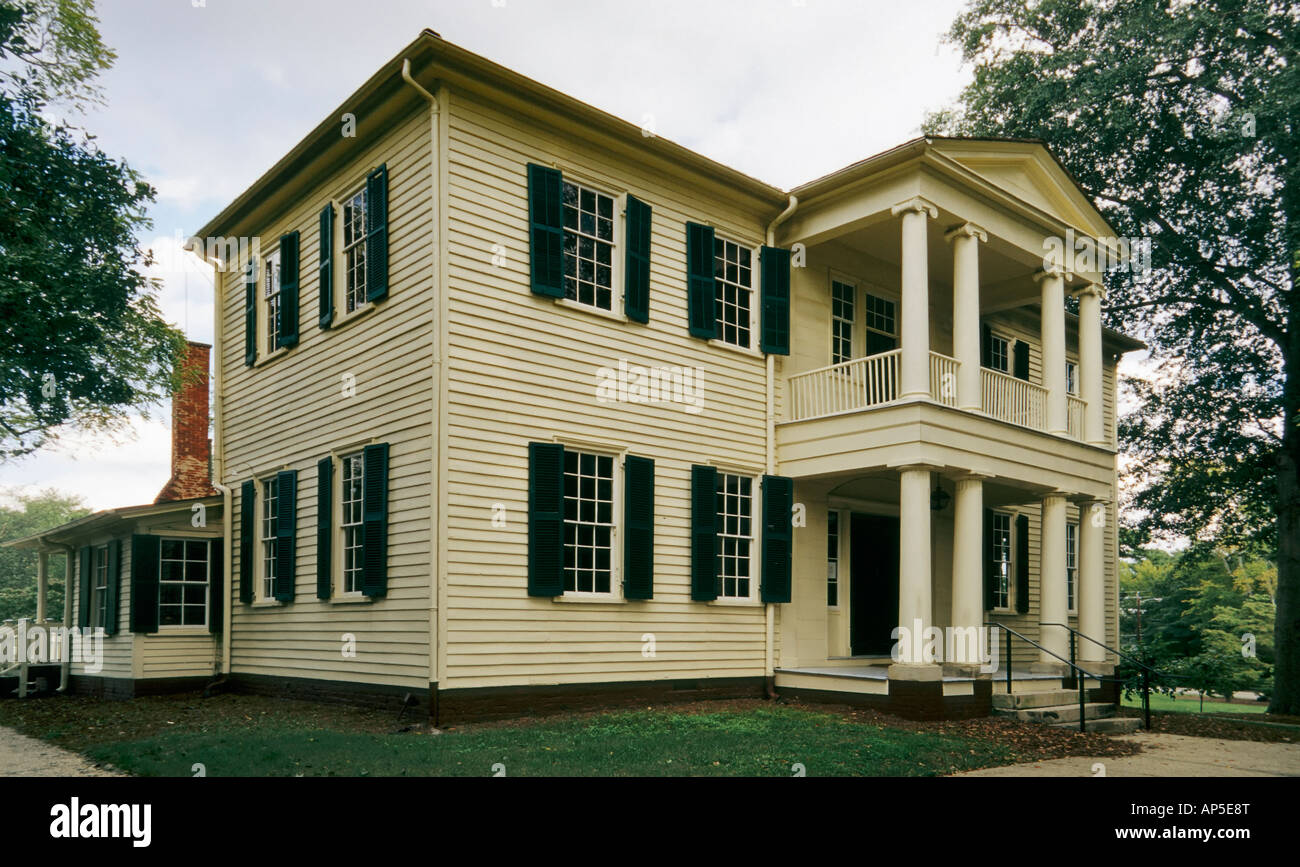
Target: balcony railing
{"x":845,"y":387}
{"x":1074,"y":415}
{"x":943,"y":379}
{"x":1013,"y":400}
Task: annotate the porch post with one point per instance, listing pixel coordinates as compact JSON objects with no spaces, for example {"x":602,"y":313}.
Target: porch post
{"x":1051,"y":577}
{"x":966,"y":240}
{"x":1052,"y":284}
{"x":42,"y":584}
{"x":1092,"y":581}
{"x":1090,"y":389}
{"x":968,"y":558}
{"x":914,"y":574}
{"x":915,"y":328}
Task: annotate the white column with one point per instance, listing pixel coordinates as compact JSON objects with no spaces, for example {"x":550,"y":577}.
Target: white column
{"x":42,"y":584}
{"x":914,"y":591}
{"x":1092,"y":580}
{"x":915,"y":328}
{"x":1052,"y":285}
{"x":968,"y":556}
{"x":966,"y":240}
{"x":1051,"y":577}
{"x":1090,"y":389}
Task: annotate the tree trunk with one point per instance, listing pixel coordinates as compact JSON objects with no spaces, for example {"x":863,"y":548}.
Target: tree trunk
{"x":1286,"y":628}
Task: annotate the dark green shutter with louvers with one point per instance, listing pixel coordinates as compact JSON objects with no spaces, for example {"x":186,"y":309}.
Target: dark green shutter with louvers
{"x":250,"y":312}
{"x":112,"y":606}
{"x":636,"y":297}
{"x":144,"y":583}
{"x":324,"y":527}
{"x":1022,"y":564}
{"x":639,"y":521}
{"x":374,"y":516}
{"x":704,"y":534}
{"x":286,"y":534}
{"x":986,"y":346}
{"x":1021,"y":369}
{"x":701,"y":286}
{"x":776,"y":301}
{"x":247,"y":539}
{"x":546,"y":230}
{"x":326,"y":267}
{"x":545,"y":519}
{"x":377,"y":235}
{"x":778,"y":538}
{"x":990,"y":573}
{"x":289,"y":283}
{"x":83,"y":587}
{"x":216,"y":584}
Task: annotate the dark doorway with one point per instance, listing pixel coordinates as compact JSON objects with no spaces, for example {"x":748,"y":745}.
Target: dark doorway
{"x":873,"y":585}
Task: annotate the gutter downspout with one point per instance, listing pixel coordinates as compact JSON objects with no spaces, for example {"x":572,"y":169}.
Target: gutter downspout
{"x":769,"y":635}
{"x":437,"y":591}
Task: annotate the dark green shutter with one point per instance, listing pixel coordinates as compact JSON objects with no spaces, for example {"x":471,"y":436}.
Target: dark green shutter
{"x":636,"y":293}
{"x":704,"y":534}
{"x":639,"y":522}
{"x":778,"y":538}
{"x":144,"y":583}
{"x":1021,"y":369}
{"x":1022,"y":564}
{"x":990,"y":574}
{"x":546,"y":230}
{"x":112,"y":612}
{"x":286,"y":534}
{"x":377,"y":235}
{"x":289,"y":282}
{"x":250,"y":312}
{"x":326,"y":267}
{"x":216,"y":584}
{"x":247,"y":539}
{"x":701,"y":286}
{"x":986,"y":346}
{"x":545,"y":519}
{"x":775,"y":301}
{"x":86,"y":560}
{"x":374,"y":508}
{"x":324,"y":528}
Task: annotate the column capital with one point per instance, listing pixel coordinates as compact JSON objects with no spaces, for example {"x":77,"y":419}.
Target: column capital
{"x":968,"y":476}
{"x":1053,"y":271}
{"x":915,"y":204}
{"x":919,"y":467}
{"x":1091,"y":288}
{"x":967,"y":230}
{"x":1063,"y":496}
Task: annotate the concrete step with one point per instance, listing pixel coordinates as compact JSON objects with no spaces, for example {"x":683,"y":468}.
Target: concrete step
{"x":1046,"y":684}
{"x":1109,"y":725}
{"x":1057,"y":713}
{"x":1046,"y":698}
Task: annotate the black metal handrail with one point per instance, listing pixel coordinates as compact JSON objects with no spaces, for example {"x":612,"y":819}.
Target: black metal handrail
{"x":1080,"y":675}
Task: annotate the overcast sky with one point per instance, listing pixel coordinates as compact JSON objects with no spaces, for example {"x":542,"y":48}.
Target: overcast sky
{"x":207,"y":94}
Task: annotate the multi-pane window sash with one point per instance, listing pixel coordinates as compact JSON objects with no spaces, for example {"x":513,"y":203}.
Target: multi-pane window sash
{"x":271,"y":294}
{"x":842,"y":315}
{"x":354,"y":250}
{"x":351,"y":519}
{"x":1071,"y":564}
{"x":99,"y":616}
{"x":588,"y":522}
{"x":183,"y":575}
{"x":588,"y":247}
{"x":1001,"y":545}
{"x":270,"y":526}
{"x":882,"y":324}
{"x":735,"y":499}
{"x":833,"y":559}
{"x":734,"y":273}
{"x":999,"y":353}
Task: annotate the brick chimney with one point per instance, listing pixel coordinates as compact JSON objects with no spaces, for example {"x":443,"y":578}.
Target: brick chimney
{"x":191,"y":449}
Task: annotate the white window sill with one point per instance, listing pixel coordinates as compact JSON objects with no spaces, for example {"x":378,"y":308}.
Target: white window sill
{"x":265,"y":358}
{"x":574,"y":599}
{"x":180,"y":630}
{"x":739,"y":350}
{"x":587,"y":308}
{"x":342,"y":320}
{"x":268,"y":603}
{"x":351,"y":599}
{"x":737,"y":603}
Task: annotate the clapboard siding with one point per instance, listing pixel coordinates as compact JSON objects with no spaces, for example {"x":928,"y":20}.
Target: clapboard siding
{"x":117,"y":651}
{"x":290,"y":411}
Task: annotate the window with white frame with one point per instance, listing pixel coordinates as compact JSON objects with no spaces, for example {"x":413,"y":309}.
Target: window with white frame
{"x":351,"y":521}
{"x":833,"y":559}
{"x":588,"y":523}
{"x":183,"y":574}
{"x":270,"y":526}
{"x":1001,"y":549}
{"x":271,"y":301}
{"x":882,"y":324}
{"x":99,"y":590}
{"x":999,"y":353}
{"x":354,"y":250}
{"x":734,"y":273}
{"x":735,"y":499}
{"x":588,"y":246}
{"x":1071,"y":564}
{"x":1071,"y":378}
{"x":843,"y":298}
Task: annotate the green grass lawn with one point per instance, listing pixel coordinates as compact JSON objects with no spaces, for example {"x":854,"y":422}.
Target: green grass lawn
{"x":1192,"y":704}
{"x":760,"y":742}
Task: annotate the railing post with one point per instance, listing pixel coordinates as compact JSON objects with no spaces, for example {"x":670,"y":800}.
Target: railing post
{"x":1008,"y":634}
{"x":1083,"y":684}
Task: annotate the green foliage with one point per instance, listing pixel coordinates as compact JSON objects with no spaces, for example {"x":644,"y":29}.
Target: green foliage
{"x":51,"y":51}
{"x":38,"y":512}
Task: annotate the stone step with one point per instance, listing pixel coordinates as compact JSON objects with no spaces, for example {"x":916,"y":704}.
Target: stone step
{"x":1109,"y":725}
{"x":1047,"y":684}
{"x":1058,"y":713}
{"x":1045,"y":698}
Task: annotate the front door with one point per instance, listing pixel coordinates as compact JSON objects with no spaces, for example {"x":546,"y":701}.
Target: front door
{"x":873,"y":584}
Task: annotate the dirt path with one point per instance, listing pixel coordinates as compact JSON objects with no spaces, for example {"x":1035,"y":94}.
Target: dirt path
{"x":1166,"y":755}
{"x":21,"y":756}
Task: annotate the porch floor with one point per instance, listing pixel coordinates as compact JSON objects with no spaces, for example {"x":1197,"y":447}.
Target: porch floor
{"x":881,"y":672}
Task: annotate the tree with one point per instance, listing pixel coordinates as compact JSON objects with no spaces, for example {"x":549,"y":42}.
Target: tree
{"x":82,"y":341}
{"x":38,"y":512}
{"x":1178,"y":120}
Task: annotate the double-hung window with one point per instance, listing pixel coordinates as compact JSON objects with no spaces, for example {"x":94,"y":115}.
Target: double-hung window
{"x":1001,"y":565}
{"x":270,"y":528}
{"x":833,"y":558}
{"x":882,"y":324}
{"x":588,"y":246}
{"x":588,"y":523}
{"x":271,"y":301}
{"x":99,"y":595}
{"x":1071,"y":565}
{"x":843,"y":304}
{"x":735,"y":522}
{"x":999,"y":354}
{"x":351,"y":521}
{"x":734,"y":302}
{"x":1071,"y":378}
{"x":183,"y":576}
{"x":355,"y":229}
